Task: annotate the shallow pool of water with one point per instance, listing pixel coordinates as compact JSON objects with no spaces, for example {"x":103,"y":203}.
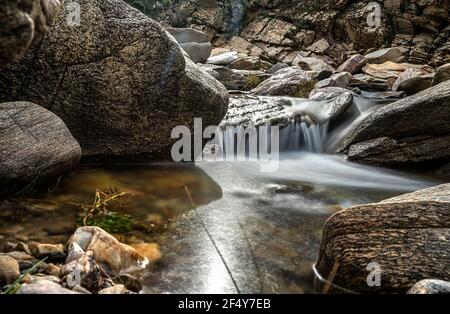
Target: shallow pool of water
{"x":247,"y":232}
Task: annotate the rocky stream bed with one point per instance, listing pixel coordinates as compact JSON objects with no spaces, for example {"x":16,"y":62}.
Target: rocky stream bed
{"x":91,"y":201}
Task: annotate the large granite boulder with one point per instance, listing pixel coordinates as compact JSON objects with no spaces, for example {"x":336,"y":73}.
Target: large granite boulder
{"x":34,"y":144}
{"x":412,"y":130}
{"x":402,"y":240}
{"x":118,"y":81}
{"x":24,"y":22}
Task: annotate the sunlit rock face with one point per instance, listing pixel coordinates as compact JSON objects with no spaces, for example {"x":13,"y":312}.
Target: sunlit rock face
{"x":282,"y":28}
{"x":118,"y":81}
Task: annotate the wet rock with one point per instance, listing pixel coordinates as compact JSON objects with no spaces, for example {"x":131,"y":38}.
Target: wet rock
{"x":417,"y":140}
{"x":34,"y":144}
{"x":52,"y":270}
{"x":393,"y":54}
{"x":23,"y":25}
{"x":53,"y":252}
{"x":113,"y":256}
{"x":391,"y":152}
{"x":353,"y":65}
{"x":442,"y":74}
{"x":9,"y":270}
{"x":285,"y":82}
{"x":430,"y":286}
{"x":248,"y":111}
{"x":224,"y":58}
{"x":336,"y":80}
{"x":83,"y":271}
{"x":151,"y":251}
{"x":413,"y":81}
{"x":112,"y":80}
{"x":117,"y":289}
{"x":194,"y":42}
{"x":130,"y":282}
{"x":327,"y":93}
{"x":406,"y":236}
{"x":335,"y":102}
{"x":44,"y":287}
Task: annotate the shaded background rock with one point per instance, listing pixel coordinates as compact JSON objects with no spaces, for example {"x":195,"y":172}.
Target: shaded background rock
{"x":335,"y":28}
{"x":113,"y":80}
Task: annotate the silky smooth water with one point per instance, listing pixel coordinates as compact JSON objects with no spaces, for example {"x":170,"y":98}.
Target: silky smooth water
{"x":249,"y":232}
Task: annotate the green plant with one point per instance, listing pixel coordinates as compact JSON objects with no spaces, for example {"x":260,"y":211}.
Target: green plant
{"x":101,"y":215}
{"x":304,"y":89}
{"x":252,"y":81}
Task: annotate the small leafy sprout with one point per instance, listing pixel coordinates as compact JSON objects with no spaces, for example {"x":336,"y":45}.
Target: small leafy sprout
{"x":304,"y":89}
{"x":101,"y":215}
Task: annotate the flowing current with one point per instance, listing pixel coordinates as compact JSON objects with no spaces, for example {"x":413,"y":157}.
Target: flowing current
{"x":227,"y":227}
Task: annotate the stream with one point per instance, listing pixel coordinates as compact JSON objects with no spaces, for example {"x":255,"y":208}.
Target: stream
{"x":249,"y":232}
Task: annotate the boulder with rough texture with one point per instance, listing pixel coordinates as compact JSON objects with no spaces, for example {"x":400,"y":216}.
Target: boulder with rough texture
{"x":353,"y":65}
{"x":24,"y":22}
{"x":336,"y":80}
{"x":9,"y":270}
{"x":44,"y":287}
{"x":430,"y":286}
{"x":394,"y":54}
{"x":114,"y":257}
{"x":413,"y":81}
{"x":249,"y":111}
{"x":442,"y":74}
{"x":113,"y":80}
{"x":410,"y":130}
{"x":194,"y":42}
{"x":224,"y":58}
{"x":285,"y":82}
{"x":34,"y":144}
{"x":312,"y":64}
{"x":405,"y":238}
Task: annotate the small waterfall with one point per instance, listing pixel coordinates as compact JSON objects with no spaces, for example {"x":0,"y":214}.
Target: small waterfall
{"x":301,"y":136}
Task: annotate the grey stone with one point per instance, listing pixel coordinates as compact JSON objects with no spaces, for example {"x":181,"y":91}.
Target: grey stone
{"x":34,"y":144}
{"x":430,"y":286}
{"x":393,"y":54}
{"x":9,"y":270}
{"x":442,"y":74}
{"x":223,"y":59}
{"x":284,"y":82}
{"x":44,"y":287}
{"x":406,"y":236}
